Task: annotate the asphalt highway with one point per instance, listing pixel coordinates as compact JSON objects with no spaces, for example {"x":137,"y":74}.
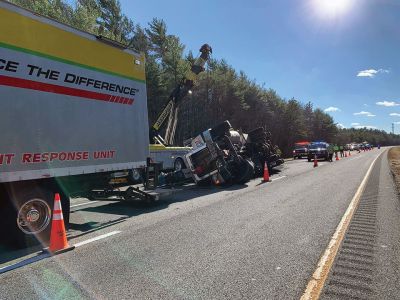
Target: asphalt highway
{"x":259,"y":241}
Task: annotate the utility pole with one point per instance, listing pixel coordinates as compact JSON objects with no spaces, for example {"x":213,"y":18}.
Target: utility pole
{"x":393,"y":128}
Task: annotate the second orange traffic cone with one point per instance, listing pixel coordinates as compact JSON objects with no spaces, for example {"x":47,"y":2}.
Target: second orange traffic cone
{"x":58,"y":236}
{"x":266,"y":173}
{"x":349,"y":153}
{"x":315,"y":161}
{"x":337,"y":156}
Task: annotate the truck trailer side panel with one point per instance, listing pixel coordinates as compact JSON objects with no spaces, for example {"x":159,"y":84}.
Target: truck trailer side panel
{"x":69,"y":103}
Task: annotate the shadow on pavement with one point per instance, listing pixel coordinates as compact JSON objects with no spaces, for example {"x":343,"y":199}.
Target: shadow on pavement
{"x":131,"y":209}
{"x":121,"y":208}
{"x":9,"y":253}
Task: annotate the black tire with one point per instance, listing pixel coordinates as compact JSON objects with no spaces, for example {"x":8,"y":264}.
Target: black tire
{"x":225,"y":174}
{"x":7,"y":217}
{"x":257,"y":135}
{"x":136,"y":176}
{"x":258,"y":167}
{"x":245,"y":172}
{"x":220,"y":130}
{"x":31,"y":202}
{"x":309,"y":159}
{"x":179,"y":164}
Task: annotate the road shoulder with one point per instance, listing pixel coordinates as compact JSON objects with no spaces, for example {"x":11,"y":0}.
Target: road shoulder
{"x":367,"y":265}
{"x":387,"y":276}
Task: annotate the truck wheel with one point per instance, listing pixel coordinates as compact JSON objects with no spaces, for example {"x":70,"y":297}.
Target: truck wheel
{"x":245,"y":172}
{"x":179,"y":164}
{"x":135,"y":176}
{"x":258,"y":167}
{"x":220,"y":129}
{"x":225,"y":174}
{"x":29,"y":215}
{"x":257,"y":135}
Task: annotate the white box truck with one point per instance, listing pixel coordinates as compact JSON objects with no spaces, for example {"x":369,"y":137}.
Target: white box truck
{"x":73,"y":110}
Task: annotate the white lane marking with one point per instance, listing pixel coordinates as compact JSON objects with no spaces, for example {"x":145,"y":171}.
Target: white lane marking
{"x":356,"y":157}
{"x":25,"y":262}
{"x":278,"y":178}
{"x":317,"y":281}
{"x":39,"y":257}
{"x":86,"y":203}
{"x":100,"y":237}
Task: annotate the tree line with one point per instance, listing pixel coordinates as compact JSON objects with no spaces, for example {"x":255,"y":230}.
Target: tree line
{"x":373,"y":136}
{"x":221,"y":93}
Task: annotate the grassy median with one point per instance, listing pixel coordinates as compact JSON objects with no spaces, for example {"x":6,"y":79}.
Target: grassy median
{"x":394,"y":162}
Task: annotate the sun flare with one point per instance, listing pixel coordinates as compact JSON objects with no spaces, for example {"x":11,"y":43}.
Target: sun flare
{"x":332,"y":8}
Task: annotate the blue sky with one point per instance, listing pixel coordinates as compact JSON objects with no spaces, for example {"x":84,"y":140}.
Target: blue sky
{"x":341,"y":56}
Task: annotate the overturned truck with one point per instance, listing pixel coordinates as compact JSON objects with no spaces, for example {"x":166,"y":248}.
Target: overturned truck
{"x":223,"y":155}
{"x":261,"y":151}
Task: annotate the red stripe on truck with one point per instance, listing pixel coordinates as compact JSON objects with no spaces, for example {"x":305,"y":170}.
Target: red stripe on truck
{"x":58,"y":89}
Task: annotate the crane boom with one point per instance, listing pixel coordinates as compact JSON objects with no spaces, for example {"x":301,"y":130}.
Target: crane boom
{"x":180,"y":91}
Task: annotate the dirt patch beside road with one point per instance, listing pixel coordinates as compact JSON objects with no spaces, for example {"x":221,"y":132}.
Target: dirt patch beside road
{"x":394,"y":162}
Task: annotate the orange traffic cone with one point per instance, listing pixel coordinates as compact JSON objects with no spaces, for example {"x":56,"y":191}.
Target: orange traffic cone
{"x":266,"y":174}
{"x":349,"y":153}
{"x":315,"y":161}
{"x":337,"y":156}
{"x":345,"y":154}
{"x":58,"y":235}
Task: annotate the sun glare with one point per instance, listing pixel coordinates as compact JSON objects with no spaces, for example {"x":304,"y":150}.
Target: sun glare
{"x":332,"y":8}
